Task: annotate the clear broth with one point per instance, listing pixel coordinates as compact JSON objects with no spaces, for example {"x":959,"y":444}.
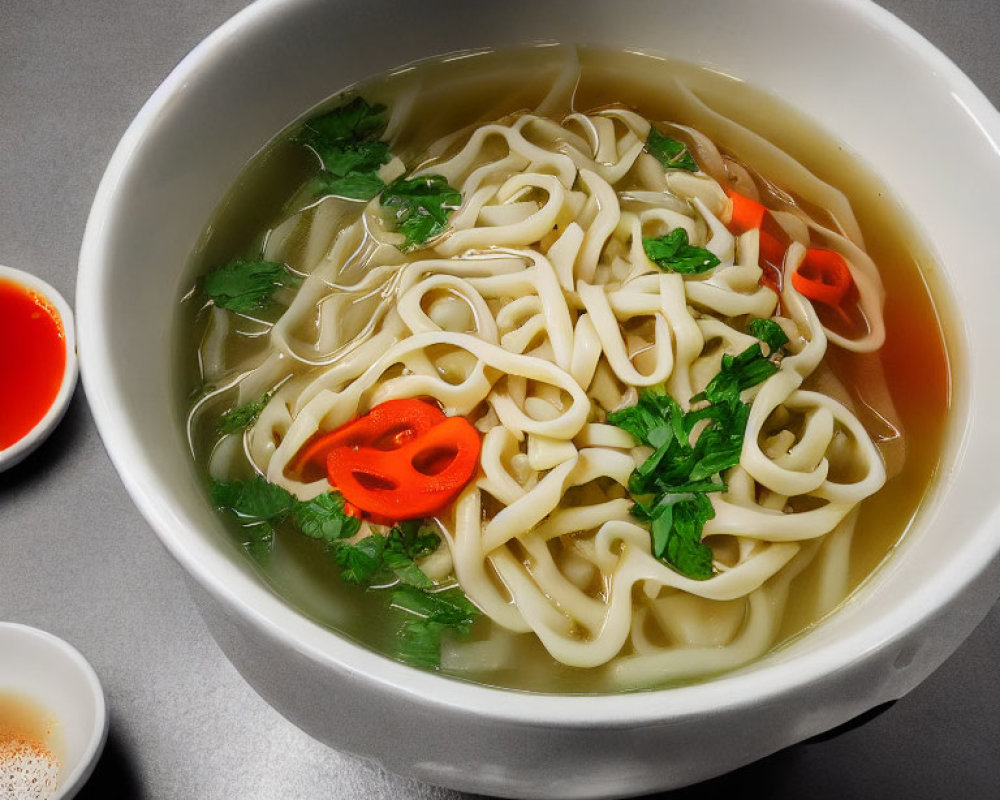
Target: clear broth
{"x":485,"y":86}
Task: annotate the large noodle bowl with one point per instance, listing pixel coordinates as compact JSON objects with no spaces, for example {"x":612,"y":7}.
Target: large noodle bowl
{"x":659,"y":365}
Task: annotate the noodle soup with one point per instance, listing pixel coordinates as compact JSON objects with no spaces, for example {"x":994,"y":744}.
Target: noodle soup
{"x":562,"y":370}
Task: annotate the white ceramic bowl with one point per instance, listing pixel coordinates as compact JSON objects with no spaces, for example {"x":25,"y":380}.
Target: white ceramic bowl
{"x":9,"y":456}
{"x":895,"y":100}
{"x":52,"y":675}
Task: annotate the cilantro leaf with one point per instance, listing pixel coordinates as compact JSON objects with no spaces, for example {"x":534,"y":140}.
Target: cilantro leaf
{"x":670,"y":152}
{"x":258,"y":540}
{"x":672,"y":253}
{"x":683,"y":548}
{"x":361,"y":561}
{"x":324,"y":518}
{"x":236,"y":419}
{"x":736,"y":374}
{"x":255,"y":500}
{"x":412,"y":540}
{"x":355,"y":186}
{"x":770,"y":333}
{"x":376,"y":561}
{"x":351,"y":122}
{"x":354,"y":157}
{"x":379,"y":559}
{"x":420,"y":642}
{"x":421,"y":205}
{"x":670,"y":488}
{"x":346,"y":141}
{"x":405,"y":544}
{"x":651,"y":412}
{"x":449,"y":607}
{"x":244,"y":285}
{"x":437,"y":613}
{"x":405,"y":569}
{"x":258,"y":506}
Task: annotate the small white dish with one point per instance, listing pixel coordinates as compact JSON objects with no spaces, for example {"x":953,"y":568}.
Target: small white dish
{"x":49,"y":673}
{"x":9,"y":456}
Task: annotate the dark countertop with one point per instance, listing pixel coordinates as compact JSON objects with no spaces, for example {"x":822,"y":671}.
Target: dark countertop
{"x":77,"y":559}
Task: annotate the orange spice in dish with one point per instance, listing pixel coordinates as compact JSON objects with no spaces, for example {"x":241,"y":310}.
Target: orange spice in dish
{"x":29,"y":770}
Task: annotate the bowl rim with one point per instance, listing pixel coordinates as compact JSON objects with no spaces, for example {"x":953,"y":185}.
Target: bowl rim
{"x":14,"y":454}
{"x":256,"y":603}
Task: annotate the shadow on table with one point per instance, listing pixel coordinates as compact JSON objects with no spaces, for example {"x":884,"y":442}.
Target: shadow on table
{"x":40,"y":462}
{"x":769,"y":776}
{"x":114,"y":776}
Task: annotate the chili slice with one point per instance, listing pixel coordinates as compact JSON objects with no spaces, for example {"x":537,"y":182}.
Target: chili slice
{"x":746,"y":214}
{"x":417,"y":479}
{"x":823,"y":276}
{"x":388,"y":425}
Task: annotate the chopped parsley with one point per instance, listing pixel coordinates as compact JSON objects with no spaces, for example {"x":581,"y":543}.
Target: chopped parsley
{"x":324,"y":518}
{"x":670,"y":152}
{"x":258,"y":506}
{"x":347,"y":144}
{"x":421,"y":205}
{"x":346,"y":140}
{"x":254,"y":501}
{"x":246,"y":285}
{"x":670,"y":488}
{"x":747,"y":369}
{"x":355,"y":186}
{"x":672,"y":253}
{"x":384,"y":559}
{"x":377,"y":562}
{"x":437,"y":612}
{"x":770,"y":333}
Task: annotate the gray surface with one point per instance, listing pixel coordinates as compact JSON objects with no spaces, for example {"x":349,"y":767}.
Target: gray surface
{"x":77,"y":559}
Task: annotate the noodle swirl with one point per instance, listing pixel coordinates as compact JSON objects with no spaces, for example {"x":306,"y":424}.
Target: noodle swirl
{"x":535,"y":315}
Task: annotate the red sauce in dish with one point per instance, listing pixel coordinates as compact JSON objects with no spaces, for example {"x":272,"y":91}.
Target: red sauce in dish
{"x":32,"y":360}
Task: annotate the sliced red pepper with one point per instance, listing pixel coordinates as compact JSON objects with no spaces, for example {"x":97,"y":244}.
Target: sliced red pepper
{"x":746,"y":214}
{"x":388,"y":425}
{"x":823,"y":276}
{"x":416,"y":479}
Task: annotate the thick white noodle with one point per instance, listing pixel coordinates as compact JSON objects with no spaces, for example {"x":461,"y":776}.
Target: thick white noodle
{"x":536,"y":314}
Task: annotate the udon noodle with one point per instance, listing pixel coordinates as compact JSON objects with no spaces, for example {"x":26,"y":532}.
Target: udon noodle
{"x":535,"y":315}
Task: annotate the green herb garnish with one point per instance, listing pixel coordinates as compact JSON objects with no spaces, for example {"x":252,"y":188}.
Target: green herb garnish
{"x":737,"y":373}
{"x":354,"y":121}
{"x":236,"y":419}
{"x":346,"y":141}
{"x":770,"y":333}
{"x":324,"y":518}
{"x":260,"y":506}
{"x":422,"y":206}
{"x":381,"y":560}
{"x":672,"y":253}
{"x":378,"y":561}
{"x":355,"y":186}
{"x":670,"y":152}
{"x":436,"y":612}
{"x":245,"y":285}
{"x":255,"y":500}
{"x":670,"y":487}
{"x":406,"y":543}
{"x":361,"y":561}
